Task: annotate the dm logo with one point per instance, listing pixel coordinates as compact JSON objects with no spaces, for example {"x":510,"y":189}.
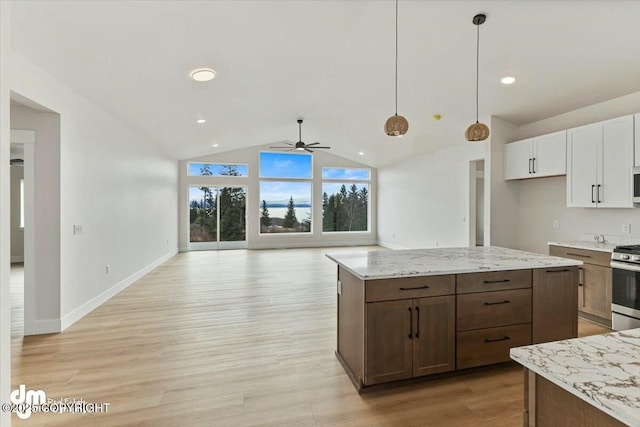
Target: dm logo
{"x":25,"y":400}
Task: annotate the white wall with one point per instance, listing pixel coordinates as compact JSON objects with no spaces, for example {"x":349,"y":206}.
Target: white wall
{"x":255,"y":240}
{"x":114,"y":183}
{"x":543,"y":200}
{"x":5,"y":226}
{"x":424,"y":201}
{"x":17,"y":233}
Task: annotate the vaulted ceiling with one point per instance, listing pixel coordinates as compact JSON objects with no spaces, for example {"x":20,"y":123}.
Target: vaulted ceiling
{"x":331,"y":62}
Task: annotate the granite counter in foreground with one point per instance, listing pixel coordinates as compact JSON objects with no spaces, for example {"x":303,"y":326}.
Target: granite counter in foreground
{"x":437,"y":261}
{"x":601,"y":370}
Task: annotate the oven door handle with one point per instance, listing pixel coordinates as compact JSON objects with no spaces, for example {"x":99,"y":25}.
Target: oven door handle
{"x":625,"y":266}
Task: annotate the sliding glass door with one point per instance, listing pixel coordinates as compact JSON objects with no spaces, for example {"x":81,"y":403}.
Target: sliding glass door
{"x":217,"y":217}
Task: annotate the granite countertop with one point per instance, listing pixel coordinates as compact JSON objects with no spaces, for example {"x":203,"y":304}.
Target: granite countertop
{"x":591,"y":246}
{"x":437,"y":261}
{"x":602,"y":370}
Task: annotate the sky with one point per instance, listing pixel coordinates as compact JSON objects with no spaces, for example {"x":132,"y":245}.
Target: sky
{"x":285,"y":165}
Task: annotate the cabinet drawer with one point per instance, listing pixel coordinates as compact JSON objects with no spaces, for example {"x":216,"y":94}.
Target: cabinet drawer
{"x":589,"y":257}
{"x":409,"y":287}
{"x":491,"y":309}
{"x":487,"y":346}
{"x":493,"y":281}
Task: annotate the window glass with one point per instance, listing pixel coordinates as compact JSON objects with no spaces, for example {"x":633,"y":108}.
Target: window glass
{"x":217,"y":169}
{"x":345,"y":173}
{"x":285,"y":165}
{"x":285,"y":207}
{"x":345,"y":207}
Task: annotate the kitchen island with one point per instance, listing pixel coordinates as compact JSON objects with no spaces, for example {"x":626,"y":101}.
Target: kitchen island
{"x":411,"y":313}
{"x":586,"y":381}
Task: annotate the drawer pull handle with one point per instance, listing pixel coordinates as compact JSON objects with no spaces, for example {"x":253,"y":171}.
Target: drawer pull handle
{"x":497,"y":281}
{"x":417,"y":322}
{"x":497,"y":339}
{"x":410,"y":324}
{"x":411,"y":289}
{"x":496,"y":303}
{"x":558,"y":271}
{"x":580,"y":255}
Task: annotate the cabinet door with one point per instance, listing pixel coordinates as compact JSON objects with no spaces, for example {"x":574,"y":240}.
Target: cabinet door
{"x":434,"y":340}
{"x":550,"y":154}
{"x":389,"y":341}
{"x":594,"y":296}
{"x":555,"y":304}
{"x":615,"y":179}
{"x":518,"y":159}
{"x":582,"y":154}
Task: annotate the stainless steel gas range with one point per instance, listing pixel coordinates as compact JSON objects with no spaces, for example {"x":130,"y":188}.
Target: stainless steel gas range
{"x":625,"y":307}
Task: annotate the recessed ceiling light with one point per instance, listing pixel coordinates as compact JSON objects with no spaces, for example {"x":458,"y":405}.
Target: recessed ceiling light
{"x":203,"y":74}
{"x":361,"y":153}
{"x":507,"y":80}
{"x":215,"y":145}
{"x":201,"y":121}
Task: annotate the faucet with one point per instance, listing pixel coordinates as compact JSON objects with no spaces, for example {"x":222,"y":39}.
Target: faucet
{"x":599,"y":238}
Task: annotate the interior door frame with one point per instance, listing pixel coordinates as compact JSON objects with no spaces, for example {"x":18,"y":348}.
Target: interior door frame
{"x":218,"y":245}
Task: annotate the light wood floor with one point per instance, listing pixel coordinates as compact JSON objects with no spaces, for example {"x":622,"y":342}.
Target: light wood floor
{"x":237,"y":338}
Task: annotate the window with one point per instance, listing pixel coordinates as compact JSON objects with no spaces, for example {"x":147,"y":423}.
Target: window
{"x":285,"y":193}
{"x":345,"y":205}
{"x":21,"y":203}
{"x":218,"y":169}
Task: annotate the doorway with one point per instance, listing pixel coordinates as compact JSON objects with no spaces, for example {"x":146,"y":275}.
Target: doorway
{"x":476,"y":203}
{"x":217,"y":217}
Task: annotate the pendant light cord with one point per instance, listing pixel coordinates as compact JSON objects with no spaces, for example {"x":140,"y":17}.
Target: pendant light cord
{"x":396,"y":57}
{"x":477,"y":67}
{"x":300,"y":131}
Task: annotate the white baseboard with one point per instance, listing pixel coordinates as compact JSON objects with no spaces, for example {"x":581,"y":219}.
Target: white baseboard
{"x":105,"y":296}
{"x":390,"y":246}
{"x":17,"y":258}
{"x":41,"y":327}
{"x":287,"y":245}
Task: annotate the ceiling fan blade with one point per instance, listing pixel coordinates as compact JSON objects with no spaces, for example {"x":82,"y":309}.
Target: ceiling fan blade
{"x":315,"y":143}
{"x":306,"y":149}
{"x":321,"y":147}
{"x":278,"y":148}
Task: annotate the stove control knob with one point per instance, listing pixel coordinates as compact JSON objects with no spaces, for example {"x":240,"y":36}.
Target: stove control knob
{"x":635,"y":258}
{"x":624,"y":256}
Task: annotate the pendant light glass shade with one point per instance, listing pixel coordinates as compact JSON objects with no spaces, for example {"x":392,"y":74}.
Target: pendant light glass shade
{"x":396,"y":125}
{"x":477,"y":131}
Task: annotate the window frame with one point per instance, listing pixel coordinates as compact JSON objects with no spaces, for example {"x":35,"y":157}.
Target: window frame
{"x":348,"y":183}
{"x":310,"y":181}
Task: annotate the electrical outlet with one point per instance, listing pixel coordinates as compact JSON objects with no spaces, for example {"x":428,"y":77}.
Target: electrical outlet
{"x":556,"y":224}
{"x":77,"y":229}
{"x":626,"y":228}
{"x":107,"y":269}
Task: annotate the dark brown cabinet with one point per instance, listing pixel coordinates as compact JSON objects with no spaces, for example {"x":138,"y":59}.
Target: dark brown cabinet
{"x":409,"y":338}
{"x":594,"y":286}
{"x":555,"y":307}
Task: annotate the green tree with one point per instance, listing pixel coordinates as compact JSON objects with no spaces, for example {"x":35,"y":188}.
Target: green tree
{"x":232,"y":209}
{"x":327,"y":213}
{"x":265,"y":219}
{"x":290,"y":220}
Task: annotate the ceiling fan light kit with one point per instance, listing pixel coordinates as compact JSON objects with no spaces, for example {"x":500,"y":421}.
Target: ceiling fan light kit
{"x":396,"y":125}
{"x":477,"y":131}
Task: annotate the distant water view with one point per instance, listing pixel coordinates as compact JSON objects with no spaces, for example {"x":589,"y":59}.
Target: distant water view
{"x":301,"y":213}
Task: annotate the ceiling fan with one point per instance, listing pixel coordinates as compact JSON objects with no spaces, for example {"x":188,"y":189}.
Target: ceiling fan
{"x":300,"y":146}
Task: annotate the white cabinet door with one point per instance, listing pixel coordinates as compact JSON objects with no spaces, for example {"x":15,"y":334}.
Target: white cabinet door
{"x":550,"y":154}
{"x":637,"y":139}
{"x":518,"y":159}
{"x":615,"y":179}
{"x":583,"y":146}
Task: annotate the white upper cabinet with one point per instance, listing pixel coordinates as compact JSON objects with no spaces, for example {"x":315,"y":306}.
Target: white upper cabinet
{"x":637,"y":144}
{"x":599,"y":162}
{"x":536,"y":157}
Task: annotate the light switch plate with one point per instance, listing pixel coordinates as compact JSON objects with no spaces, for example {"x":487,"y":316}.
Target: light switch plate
{"x":626,"y":228}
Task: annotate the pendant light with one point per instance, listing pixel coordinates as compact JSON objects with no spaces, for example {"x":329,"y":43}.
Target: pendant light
{"x":477,"y":131}
{"x":396,"y":125}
